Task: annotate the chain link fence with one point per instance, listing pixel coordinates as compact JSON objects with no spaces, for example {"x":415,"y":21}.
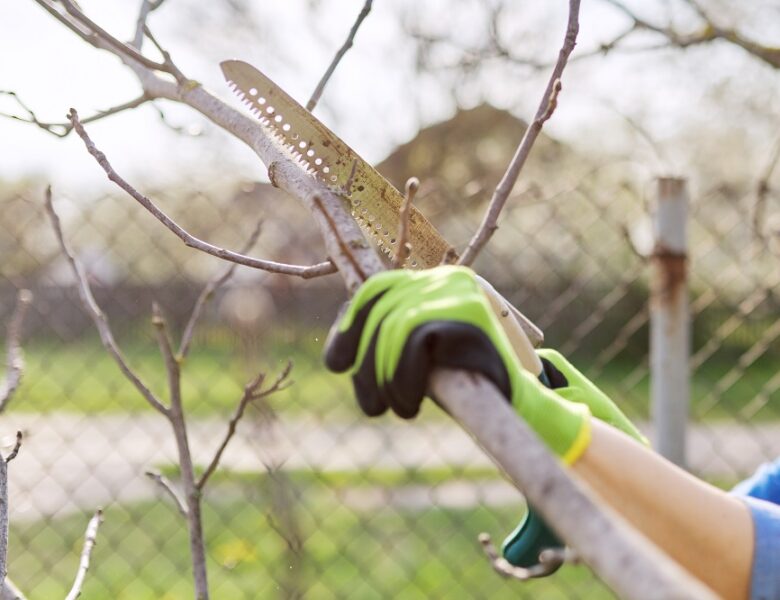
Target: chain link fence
{"x":312,"y":500}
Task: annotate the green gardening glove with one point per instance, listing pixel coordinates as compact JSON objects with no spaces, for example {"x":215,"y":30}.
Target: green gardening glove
{"x":401,"y":325}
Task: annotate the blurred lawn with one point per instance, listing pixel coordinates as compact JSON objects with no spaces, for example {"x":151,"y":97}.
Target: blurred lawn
{"x":347,"y":552}
{"x":81,"y":377}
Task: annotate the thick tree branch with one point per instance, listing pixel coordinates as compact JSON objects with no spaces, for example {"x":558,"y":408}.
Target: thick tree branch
{"x":96,"y":314}
{"x":90,"y":538}
{"x":252,"y":392}
{"x":14,"y":358}
{"x":544,"y":112}
{"x":306,"y":272}
{"x":315,"y":97}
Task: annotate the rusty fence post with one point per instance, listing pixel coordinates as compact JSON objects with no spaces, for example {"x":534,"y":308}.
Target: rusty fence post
{"x":670,"y":320}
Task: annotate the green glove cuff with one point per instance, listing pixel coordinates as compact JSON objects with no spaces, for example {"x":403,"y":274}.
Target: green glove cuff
{"x":581,"y":390}
{"x":564,"y":426}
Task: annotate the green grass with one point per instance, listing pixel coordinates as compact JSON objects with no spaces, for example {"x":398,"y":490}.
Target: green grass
{"x":81,"y":377}
{"x":347,"y":553}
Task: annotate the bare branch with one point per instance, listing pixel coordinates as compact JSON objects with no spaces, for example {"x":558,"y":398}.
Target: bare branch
{"x":167,"y":66}
{"x":16,"y":448}
{"x":403,"y":249}
{"x":544,"y":112}
{"x":315,"y":97}
{"x":550,"y":560}
{"x":206,"y":294}
{"x":172,"y":367}
{"x":147,"y":7}
{"x":4,"y":508}
{"x":61,"y":130}
{"x":306,"y":272}
{"x":90,"y":538}
{"x":167,"y":60}
{"x":707,"y":32}
{"x":14,"y":357}
{"x":168,"y":488}
{"x":344,"y":246}
{"x":8,"y":591}
{"x":252,"y":392}
{"x":96,"y":314}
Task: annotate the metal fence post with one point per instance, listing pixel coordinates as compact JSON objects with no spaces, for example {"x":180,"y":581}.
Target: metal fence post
{"x":670,"y":320}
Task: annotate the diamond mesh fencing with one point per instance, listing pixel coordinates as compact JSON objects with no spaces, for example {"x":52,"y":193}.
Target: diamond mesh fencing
{"x":311,"y":499}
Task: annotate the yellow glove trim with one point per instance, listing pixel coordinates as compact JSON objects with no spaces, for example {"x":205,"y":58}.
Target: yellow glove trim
{"x":581,"y":442}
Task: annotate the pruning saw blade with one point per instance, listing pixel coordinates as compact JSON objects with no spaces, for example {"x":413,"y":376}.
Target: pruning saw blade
{"x":375,"y":203}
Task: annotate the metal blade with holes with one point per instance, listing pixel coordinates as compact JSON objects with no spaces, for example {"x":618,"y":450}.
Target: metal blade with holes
{"x":376,"y":204}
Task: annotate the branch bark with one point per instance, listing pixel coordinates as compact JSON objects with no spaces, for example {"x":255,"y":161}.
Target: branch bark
{"x":546,"y":108}
{"x":90,"y":538}
{"x":14,"y":358}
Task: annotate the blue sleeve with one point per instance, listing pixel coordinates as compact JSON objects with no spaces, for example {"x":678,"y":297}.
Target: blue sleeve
{"x":765,"y":576}
{"x":764,"y":484}
{"x":761,"y":493}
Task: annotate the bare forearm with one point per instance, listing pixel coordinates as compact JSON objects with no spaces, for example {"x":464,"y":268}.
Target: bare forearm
{"x":706,"y":530}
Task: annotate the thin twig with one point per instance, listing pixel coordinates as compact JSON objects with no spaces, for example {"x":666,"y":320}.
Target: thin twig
{"x":90,"y":538}
{"x":315,"y":97}
{"x":550,"y":560}
{"x":61,"y":130}
{"x":14,"y":357}
{"x":178,"y":422}
{"x":346,"y":251}
{"x":404,"y":249}
{"x":147,"y":7}
{"x":96,"y":314}
{"x":708,"y":31}
{"x":168,"y":488}
{"x":15,"y":450}
{"x":544,"y":112}
{"x":306,"y":272}
{"x":167,"y":60}
{"x":119,"y":46}
{"x":206,"y":294}
{"x":172,"y":367}
{"x":250,"y":394}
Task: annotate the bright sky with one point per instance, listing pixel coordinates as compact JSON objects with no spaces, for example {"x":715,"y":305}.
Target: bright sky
{"x":374,"y":101}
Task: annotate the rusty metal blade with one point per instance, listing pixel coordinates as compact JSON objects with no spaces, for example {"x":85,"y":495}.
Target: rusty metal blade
{"x":375,"y":203}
